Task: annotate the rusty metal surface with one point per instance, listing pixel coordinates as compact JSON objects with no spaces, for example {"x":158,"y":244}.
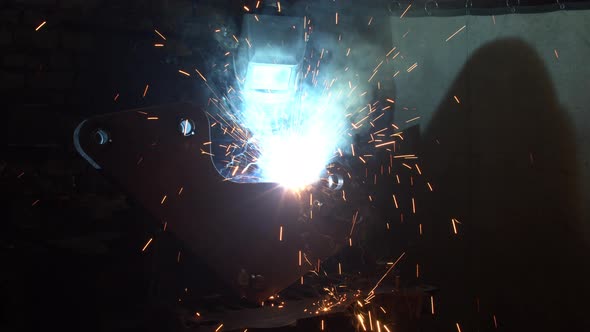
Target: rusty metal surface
{"x":233,"y":227}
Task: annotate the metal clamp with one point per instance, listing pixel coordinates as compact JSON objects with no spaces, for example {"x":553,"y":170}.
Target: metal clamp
{"x":512,"y":7}
{"x":394,"y":6}
{"x":428,"y":7}
{"x":560,"y":4}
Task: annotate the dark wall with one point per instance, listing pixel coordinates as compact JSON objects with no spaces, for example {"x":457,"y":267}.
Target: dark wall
{"x":505,"y":166}
{"x":518,"y":252}
{"x":71,"y":240}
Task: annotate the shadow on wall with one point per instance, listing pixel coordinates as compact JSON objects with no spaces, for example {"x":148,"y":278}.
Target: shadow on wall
{"x":504,"y":164}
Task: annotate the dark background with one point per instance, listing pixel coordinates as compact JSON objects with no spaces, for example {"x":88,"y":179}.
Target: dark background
{"x":70,"y":239}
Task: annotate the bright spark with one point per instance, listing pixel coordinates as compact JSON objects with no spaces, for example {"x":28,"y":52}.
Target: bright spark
{"x":40,"y":25}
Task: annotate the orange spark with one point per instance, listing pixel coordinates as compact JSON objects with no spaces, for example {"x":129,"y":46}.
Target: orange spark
{"x":147,"y":244}
{"x":458,"y":327}
{"x":456,"y":32}
{"x":387,"y":272}
{"x":184,"y":73}
{"x":281,"y":233}
{"x":147,"y":86}
{"x":405,"y":11}
{"x":163,"y":199}
{"x":159,"y":34}
{"x":384,"y":144}
{"x":429,"y":186}
{"x":218,"y":328}
{"x":457,"y":99}
{"x":158,"y":45}
{"x":370,"y":78}
{"x":360,"y":318}
{"x":235,"y":171}
{"x":40,"y":26}
{"x":432,"y":304}
{"x":203,"y":77}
